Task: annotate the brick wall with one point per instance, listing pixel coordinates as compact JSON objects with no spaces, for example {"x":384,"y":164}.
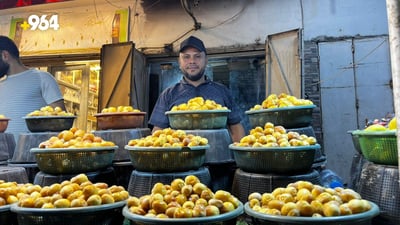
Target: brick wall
{"x":312,"y":85}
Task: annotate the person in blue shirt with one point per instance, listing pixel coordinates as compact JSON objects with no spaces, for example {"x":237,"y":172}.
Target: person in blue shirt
{"x":195,"y":83}
{"x":23,"y":89}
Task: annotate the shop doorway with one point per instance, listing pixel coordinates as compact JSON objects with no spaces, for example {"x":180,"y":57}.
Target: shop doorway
{"x":355,"y":82}
{"x":123,"y":77}
{"x":283,"y":65}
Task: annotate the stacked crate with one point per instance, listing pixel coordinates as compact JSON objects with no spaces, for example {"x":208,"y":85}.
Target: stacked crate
{"x":379,"y":178}
{"x":248,"y":180}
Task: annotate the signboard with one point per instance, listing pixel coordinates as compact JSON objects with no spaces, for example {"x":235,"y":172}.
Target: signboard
{"x":8,"y":4}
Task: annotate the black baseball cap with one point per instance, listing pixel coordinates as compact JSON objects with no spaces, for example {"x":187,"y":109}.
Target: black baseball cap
{"x":7,"y":44}
{"x":194,"y":42}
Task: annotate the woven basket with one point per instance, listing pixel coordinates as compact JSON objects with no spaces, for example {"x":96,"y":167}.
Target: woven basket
{"x":289,"y":117}
{"x":279,"y":160}
{"x":163,"y":160}
{"x":378,"y":146}
{"x":356,"y":142}
{"x":73,"y":160}
{"x":107,"y":214}
{"x":6,"y":216}
{"x":222,"y":219}
{"x":198,"y":119}
{"x":364,"y":218}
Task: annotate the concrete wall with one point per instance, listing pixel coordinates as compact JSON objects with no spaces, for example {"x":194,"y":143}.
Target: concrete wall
{"x":156,"y":23}
{"x":225,"y":24}
{"x":340,"y":18}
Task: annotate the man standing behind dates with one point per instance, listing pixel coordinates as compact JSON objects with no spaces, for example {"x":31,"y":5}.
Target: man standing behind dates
{"x":194,"y":83}
{"x":23,"y":90}
{"x":193,"y":62}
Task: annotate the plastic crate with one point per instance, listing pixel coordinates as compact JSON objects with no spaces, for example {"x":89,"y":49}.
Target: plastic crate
{"x":120,"y":137}
{"x":26,"y":141}
{"x":17,"y":174}
{"x":219,"y":141}
{"x":380,"y":184}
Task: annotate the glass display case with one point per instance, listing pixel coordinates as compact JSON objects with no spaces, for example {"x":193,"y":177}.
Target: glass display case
{"x":79,"y":85}
{"x":93,"y":98}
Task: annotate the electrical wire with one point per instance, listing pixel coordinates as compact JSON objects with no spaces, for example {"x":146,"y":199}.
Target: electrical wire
{"x":135,"y":18}
{"x":95,"y":8}
{"x":184,"y":34}
{"x":351,"y":65}
{"x":110,"y":3}
{"x":188,"y":10}
{"x":151,"y":6}
{"x":196,"y":26}
{"x":229,"y":19}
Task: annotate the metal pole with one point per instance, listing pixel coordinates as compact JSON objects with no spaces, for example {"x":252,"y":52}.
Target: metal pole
{"x":393,"y":7}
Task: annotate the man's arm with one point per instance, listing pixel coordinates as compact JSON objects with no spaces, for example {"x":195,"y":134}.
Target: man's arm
{"x":59,"y":103}
{"x":236,"y":131}
{"x":155,"y":128}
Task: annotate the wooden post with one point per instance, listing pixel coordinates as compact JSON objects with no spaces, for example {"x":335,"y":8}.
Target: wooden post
{"x":393,"y":7}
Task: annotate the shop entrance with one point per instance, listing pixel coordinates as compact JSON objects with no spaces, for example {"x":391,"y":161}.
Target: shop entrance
{"x":355,"y":86}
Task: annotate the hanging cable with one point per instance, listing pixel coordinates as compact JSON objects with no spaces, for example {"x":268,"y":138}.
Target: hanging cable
{"x":188,"y":10}
{"x":197,"y":26}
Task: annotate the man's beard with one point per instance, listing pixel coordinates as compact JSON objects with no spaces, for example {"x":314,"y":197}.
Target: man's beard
{"x":3,"y":68}
{"x":195,"y":77}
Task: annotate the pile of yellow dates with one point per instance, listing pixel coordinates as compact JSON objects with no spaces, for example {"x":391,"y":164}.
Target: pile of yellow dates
{"x":119,"y":109}
{"x":303,"y":198}
{"x":11,"y":192}
{"x":50,"y":111}
{"x":79,"y":191}
{"x":169,"y":138}
{"x":75,"y":138}
{"x":183,"y":198}
{"x":280,"y":101}
{"x":274,"y":136}
{"x":198,"y":103}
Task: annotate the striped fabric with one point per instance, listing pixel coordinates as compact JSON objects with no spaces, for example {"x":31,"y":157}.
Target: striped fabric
{"x":23,"y":93}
